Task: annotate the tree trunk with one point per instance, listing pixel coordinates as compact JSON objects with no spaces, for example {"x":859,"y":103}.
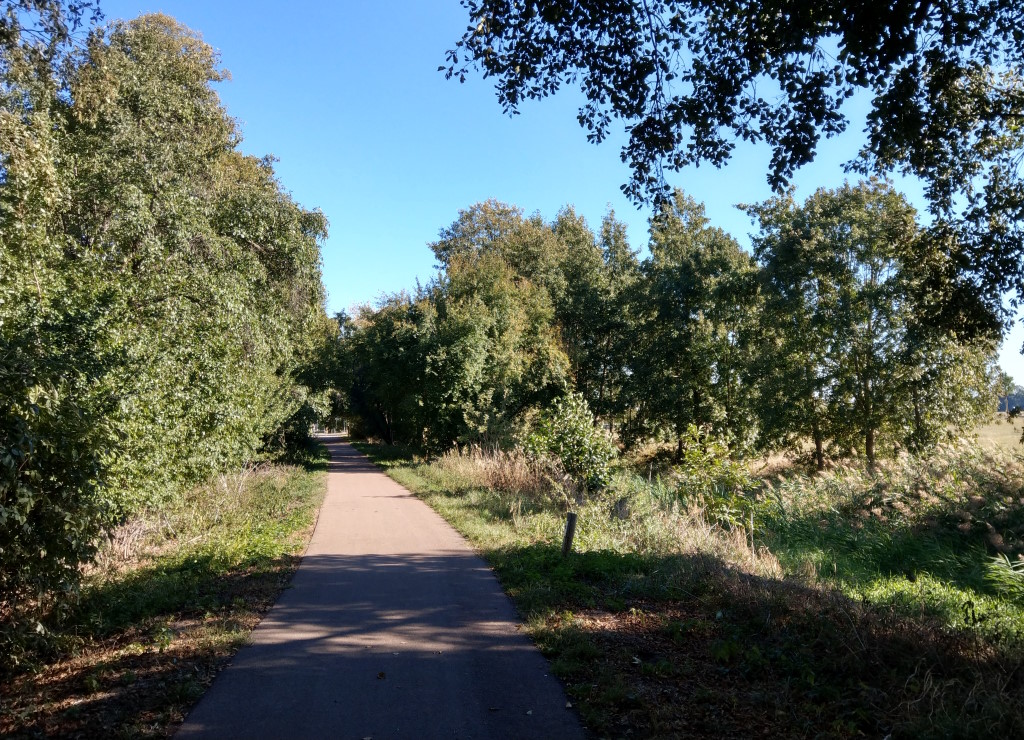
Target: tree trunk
{"x":918,"y":422}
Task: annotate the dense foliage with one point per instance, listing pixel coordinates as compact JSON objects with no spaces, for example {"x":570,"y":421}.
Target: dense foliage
{"x":814,"y":341}
{"x":844,"y":355}
{"x":160,"y":294}
{"x":566,"y":433}
{"x":689,"y":79}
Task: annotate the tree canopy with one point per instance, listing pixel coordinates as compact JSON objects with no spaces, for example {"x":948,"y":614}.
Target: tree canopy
{"x":816,"y":338}
{"x":160,"y":298}
{"x":843,"y":354}
{"x":690,"y":78}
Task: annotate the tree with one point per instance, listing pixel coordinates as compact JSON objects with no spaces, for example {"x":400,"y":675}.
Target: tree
{"x":40,"y":28}
{"x":497,"y":356}
{"x":592,"y":311}
{"x":213,"y":272}
{"x":387,"y":367}
{"x":528,"y":245}
{"x":1005,"y":387}
{"x":846,"y":356}
{"x":160,"y":295}
{"x":468,"y":357}
{"x":787,"y":370}
{"x":692,"y":304}
{"x":689,"y":78}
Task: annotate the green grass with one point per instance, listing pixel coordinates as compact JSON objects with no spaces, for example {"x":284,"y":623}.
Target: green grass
{"x":920,"y":537}
{"x":171,"y":598}
{"x":864,"y":605}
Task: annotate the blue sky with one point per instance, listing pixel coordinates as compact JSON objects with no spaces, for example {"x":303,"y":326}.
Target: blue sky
{"x":347,"y":95}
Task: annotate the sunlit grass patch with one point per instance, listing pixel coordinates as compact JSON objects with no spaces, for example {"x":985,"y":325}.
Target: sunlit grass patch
{"x":1002,"y":432}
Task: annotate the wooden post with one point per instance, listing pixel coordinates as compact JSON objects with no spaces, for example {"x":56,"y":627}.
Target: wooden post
{"x":570,"y":532}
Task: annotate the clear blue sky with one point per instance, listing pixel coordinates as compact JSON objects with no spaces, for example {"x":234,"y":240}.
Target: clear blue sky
{"x":347,"y":95}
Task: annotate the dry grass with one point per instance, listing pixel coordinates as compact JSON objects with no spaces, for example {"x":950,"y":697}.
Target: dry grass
{"x":631,"y":515}
{"x":1002,"y":432}
{"x":511,"y":472}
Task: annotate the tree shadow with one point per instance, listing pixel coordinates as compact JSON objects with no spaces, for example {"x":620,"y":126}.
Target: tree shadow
{"x":359,"y":644}
{"x":688,"y":645}
{"x":137,"y":652}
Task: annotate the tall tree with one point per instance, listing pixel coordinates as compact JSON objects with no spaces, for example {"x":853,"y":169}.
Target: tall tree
{"x":214,"y":271}
{"x":591,"y":312}
{"x":498,"y":354}
{"x":787,"y":369}
{"x":159,"y":292}
{"x":387,"y":351}
{"x":474,"y":352}
{"x":526,"y":244}
{"x":693,"y":306}
{"x":847,"y":358}
{"x":580,"y":306}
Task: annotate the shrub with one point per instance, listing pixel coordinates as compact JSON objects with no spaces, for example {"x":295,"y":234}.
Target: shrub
{"x":709,"y":478}
{"x":567,"y":434}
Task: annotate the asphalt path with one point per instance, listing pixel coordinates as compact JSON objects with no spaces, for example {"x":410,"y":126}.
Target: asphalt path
{"x":392,"y":628}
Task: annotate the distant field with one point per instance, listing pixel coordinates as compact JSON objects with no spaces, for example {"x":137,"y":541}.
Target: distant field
{"x":1002,"y":432}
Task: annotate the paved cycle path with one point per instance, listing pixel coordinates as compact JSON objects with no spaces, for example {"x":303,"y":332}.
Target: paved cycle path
{"x":392,"y":628}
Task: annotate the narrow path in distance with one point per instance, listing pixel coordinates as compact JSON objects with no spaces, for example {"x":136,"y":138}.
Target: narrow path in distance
{"x":392,"y":628}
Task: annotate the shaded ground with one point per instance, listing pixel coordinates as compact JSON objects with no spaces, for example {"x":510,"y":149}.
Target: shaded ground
{"x":723,"y":654}
{"x":155,"y":627}
{"x":139,"y":681}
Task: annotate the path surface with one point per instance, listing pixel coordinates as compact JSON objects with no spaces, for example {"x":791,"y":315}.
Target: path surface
{"x":392,"y":628}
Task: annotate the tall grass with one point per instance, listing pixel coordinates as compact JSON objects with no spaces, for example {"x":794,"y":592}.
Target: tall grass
{"x":918,"y":533}
{"x":632,"y":514}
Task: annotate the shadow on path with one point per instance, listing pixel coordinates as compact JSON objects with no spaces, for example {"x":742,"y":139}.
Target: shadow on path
{"x":392,"y":628}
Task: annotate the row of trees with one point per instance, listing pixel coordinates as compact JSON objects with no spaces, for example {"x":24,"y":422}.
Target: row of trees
{"x":942,"y":82}
{"x":161,"y":305}
{"x":820,"y":338}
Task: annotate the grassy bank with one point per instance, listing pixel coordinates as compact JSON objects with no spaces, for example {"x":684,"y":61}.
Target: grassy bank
{"x":856,"y":604}
{"x":172,"y":596}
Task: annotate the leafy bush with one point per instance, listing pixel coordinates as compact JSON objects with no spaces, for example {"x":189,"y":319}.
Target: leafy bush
{"x":50,"y":504}
{"x":567,"y":434}
{"x":708,"y":477}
